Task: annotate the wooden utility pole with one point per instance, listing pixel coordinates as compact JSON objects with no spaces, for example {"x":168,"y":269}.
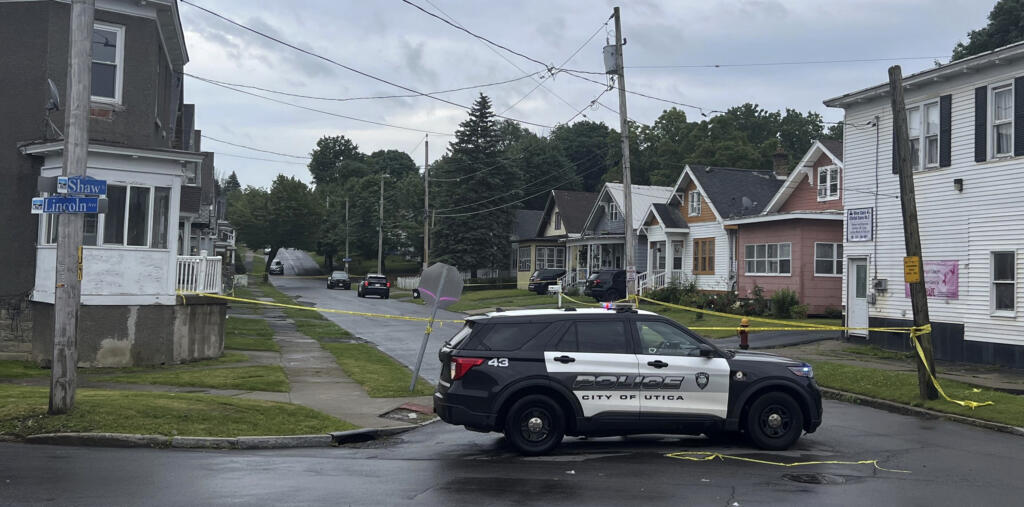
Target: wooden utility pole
{"x":426,"y":201}
{"x":380,"y":229}
{"x":627,"y":191}
{"x":68,"y":289}
{"x":346,"y":235}
{"x":911,"y":234}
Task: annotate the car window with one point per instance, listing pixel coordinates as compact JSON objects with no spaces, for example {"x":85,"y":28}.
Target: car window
{"x":509,"y":336}
{"x":603,"y":337}
{"x":660,"y":338}
{"x":377,"y":278}
{"x":460,"y":336}
{"x":567,"y":343}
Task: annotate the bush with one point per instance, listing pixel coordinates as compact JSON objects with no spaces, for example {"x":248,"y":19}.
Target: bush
{"x":783,"y":302}
{"x":799,"y":311}
{"x":572,"y":291}
{"x":832,"y":312}
{"x":240,"y":267}
{"x":756,"y":304}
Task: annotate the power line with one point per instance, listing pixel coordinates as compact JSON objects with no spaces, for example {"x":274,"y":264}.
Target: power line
{"x":369,"y":97}
{"x":254,"y":149}
{"x":346,"y":67}
{"x":222,"y":154}
{"x":771,"y":64}
{"x":307,"y":108}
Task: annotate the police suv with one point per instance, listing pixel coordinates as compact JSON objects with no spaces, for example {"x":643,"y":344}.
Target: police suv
{"x":538,"y":375}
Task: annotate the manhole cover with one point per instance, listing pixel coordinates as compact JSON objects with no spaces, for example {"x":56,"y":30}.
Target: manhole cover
{"x":814,"y":478}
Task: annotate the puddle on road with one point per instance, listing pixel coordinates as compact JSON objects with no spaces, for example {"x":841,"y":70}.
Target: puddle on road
{"x":815,"y":478}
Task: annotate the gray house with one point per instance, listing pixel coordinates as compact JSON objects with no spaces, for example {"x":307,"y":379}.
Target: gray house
{"x":161,"y":213}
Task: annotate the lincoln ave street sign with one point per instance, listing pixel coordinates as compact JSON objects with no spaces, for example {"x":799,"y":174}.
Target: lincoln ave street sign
{"x":81,"y":185}
{"x":81,"y":194}
{"x":66,"y":205}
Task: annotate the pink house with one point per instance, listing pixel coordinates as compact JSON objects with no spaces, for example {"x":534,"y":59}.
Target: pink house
{"x":797,"y":241}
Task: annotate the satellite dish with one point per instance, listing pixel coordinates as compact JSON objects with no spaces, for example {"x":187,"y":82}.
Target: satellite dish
{"x":54,"y":103}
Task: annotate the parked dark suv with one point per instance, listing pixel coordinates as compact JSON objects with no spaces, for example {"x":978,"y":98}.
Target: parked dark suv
{"x":374,"y":285}
{"x":541,"y":279}
{"x":339,"y":279}
{"x":537,"y":375}
{"x":606,"y":285}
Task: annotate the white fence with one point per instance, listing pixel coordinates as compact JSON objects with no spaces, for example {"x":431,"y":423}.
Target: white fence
{"x":198,"y":273}
{"x":413,"y":282}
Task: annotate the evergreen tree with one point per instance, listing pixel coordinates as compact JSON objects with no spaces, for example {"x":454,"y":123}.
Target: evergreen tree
{"x":232,"y":184}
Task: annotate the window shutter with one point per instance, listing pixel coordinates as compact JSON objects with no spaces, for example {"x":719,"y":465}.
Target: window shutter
{"x":1018,"y":116}
{"x":980,"y":123}
{"x":945,"y":130}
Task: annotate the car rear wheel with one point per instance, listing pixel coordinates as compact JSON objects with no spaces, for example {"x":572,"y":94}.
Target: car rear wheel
{"x":774,"y":421}
{"x":535,"y":425}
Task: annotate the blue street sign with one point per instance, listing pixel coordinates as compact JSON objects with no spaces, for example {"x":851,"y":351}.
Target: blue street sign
{"x":347,"y":259}
{"x":71,"y":205}
{"x":81,"y":185}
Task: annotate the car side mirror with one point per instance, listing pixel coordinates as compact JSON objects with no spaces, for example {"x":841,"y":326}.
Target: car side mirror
{"x":707,"y":351}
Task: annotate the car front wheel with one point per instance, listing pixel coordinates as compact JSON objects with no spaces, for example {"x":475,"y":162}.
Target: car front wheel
{"x":535,"y":425}
{"x":774,"y":421}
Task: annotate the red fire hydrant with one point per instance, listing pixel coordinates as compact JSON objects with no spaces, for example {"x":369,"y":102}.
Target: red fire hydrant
{"x":744,"y":324}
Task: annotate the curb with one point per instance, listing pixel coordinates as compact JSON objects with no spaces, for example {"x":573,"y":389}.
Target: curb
{"x":124,"y":440}
{"x":899,"y":408}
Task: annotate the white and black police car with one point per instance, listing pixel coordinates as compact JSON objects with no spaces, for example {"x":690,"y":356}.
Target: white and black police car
{"x":538,"y":375}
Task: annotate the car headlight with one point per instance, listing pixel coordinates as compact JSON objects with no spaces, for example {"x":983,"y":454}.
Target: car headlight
{"x":802,"y":371}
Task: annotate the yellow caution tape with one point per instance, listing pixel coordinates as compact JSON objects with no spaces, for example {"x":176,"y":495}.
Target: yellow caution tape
{"x":733,"y":316}
{"x":316,"y":309}
{"x":926,"y":329}
{"x":709,"y":456}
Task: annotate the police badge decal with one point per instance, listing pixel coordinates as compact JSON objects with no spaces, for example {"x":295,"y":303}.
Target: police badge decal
{"x":702,"y":380}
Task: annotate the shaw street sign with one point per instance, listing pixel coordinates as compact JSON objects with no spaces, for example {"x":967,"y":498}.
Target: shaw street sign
{"x":81,"y":185}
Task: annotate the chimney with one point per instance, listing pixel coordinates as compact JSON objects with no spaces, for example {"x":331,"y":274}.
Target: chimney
{"x":780,"y":164}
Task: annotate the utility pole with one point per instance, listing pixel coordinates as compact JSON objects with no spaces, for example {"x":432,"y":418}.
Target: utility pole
{"x":68,"y":290}
{"x":627,"y":191}
{"x":911,"y":234}
{"x":426,"y":201}
{"x":346,"y":235}
{"x":380,"y":229}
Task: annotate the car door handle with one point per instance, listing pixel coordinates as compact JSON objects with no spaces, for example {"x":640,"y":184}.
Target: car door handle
{"x":565,"y":359}
{"x":657,"y":363}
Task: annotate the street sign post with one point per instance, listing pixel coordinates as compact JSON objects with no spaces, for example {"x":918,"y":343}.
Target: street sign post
{"x":440,"y":286}
{"x":347,"y":259}
{"x":81,"y":185}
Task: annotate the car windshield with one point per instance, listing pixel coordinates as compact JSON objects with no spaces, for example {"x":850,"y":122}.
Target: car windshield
{"x":593,"y":276}
{"x":339,"y":274}
{"x":377,"y":278}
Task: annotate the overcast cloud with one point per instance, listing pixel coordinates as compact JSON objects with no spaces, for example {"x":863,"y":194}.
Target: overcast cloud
{"x":393,"y":40}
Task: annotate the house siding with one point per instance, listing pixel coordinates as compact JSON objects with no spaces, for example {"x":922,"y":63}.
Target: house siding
{"x":805,"y":195}
{"x":961,"y":226}
{"x":720,"y":280}
{"x":706,"y":214}
{"x":817,"y":292}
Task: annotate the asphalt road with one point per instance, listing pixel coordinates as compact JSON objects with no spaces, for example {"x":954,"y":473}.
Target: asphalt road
{"x":399,"y":338}
{"x":948,"y":464}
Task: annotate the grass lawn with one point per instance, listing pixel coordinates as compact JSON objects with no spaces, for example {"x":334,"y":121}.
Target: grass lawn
{"x":23,"y":413}
{"x":21,"y":369}
{"x":246,"y":378}
{"x":249,"y":334}
{"x":901,"y":387}
{"x":322,"y":330}
{"x":227,"y":358}
{"x":507,"y":298}
{"x":878,"y":352}
{"x":378,"y":373}
{"x":689,"y":319}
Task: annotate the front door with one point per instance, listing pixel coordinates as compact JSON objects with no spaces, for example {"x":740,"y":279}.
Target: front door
{"x":596,"y":361}
{"x":857,"y":296}
{"x":677,"y":381}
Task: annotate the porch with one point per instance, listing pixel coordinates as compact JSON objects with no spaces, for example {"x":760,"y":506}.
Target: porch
{"x":199,"y":273}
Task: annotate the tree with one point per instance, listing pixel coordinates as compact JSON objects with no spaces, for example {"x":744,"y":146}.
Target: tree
{"x":1005,"y":26}
{"x":474,"y":199}
{"x":336,"y":159}
{"x":231,"y":184}
{"x":541,"y":166}
{"x":586,"y":145}
{"x":287,"y":216}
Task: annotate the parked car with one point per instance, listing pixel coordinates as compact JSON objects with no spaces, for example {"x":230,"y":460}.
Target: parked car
{"x":266,"y":250}
{"x":339,"y":279}
{"x":537,"y":375}
{"x":374,"y":285}
{"x":541,"y":279}
{"x":276,"y":267}
{"x":606,"y":285}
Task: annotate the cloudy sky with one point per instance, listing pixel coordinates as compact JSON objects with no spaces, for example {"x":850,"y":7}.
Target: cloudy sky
{"x":394,"y":41}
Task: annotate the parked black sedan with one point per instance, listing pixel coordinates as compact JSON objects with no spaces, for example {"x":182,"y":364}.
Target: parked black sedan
{"x":541,"y":279}
{"x":339,"y":279}
{"x":374,"y":285}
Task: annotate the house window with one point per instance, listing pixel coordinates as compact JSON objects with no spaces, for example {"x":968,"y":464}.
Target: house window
{"x":558,"y":221}
{"x":704,"y":256}
{"x":191,"y":171}
{"x":1004,"y":282}
{"x":107,"y":62}
{"x":677,"y":256}
{"x":828,"y":259}
{"x":923,"y":124}
{"x":135,"y":218}
{"x":828,"y":183}
{"x":550,"y":257}
{"x":1002,"y":120}
{"x":769,"y":259}
{"x":524,"y":258}
{"x":694,"y":203}
{"x":613,"y":212}
{"x":51,"y":220}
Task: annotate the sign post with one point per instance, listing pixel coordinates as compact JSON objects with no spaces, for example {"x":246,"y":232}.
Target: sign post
{"x":441,"y":286}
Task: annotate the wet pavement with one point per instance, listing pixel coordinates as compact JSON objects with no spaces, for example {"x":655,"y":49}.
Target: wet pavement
{"x":948,"y":464}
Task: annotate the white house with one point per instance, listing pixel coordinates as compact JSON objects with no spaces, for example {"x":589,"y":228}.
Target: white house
{"x":966,"y":122}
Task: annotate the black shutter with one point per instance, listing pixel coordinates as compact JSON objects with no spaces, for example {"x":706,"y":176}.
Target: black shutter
{"x":1018,"y":116}
{"x":945,"y":130}
{"x":980,"y":123}
{"x":895,"y":155}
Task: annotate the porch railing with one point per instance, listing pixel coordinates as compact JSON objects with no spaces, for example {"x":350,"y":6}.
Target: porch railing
{"x":198,"y":273}
{"x":641,"y":283}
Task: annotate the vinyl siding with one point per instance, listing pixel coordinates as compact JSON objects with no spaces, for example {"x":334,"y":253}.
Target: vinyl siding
{"x":805,"y":195}
{"x":963,"y":226}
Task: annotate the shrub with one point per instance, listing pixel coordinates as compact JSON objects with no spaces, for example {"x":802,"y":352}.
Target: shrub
{"x":572,"y":291}
{"x":783,"y":302}
{"x":799,"y":311}
{"x":832,"y":312}
{"x":756,"y":304}
{"x":239,"y":267}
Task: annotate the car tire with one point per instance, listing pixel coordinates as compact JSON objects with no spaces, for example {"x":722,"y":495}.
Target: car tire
{"x":535,"y":425}
{"x":774,"y":421}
